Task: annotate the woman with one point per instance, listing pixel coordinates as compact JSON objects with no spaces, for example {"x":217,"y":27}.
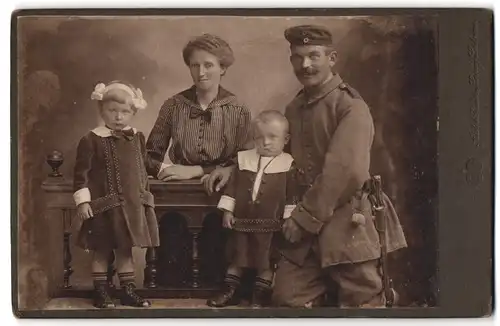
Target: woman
{"x":205,"y":123}
{"x":206,"y":126}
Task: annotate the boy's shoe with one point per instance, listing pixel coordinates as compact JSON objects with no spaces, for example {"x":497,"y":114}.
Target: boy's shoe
{"x":229,"y":296}
{"x":261,"y":297}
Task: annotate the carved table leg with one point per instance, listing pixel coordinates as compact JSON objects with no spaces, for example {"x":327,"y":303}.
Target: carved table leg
{"x":66,"y":249}
{"x":111,"y":270}
{"x":196,"y":259}
{"x":150,"y":270}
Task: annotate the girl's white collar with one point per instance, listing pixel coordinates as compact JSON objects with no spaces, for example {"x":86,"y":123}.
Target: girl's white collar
{"x":103,"y":131}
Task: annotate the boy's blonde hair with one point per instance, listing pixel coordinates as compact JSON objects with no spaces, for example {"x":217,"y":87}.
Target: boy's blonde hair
{"x":267,"y":116}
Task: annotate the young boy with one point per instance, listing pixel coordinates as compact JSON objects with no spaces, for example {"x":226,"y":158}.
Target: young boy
{"x":258,"y":196}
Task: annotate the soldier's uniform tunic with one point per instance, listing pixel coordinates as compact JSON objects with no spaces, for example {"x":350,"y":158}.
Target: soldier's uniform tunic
{"x":331,"y":134}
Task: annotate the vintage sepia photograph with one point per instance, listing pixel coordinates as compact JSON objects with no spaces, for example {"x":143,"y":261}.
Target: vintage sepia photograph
{"x":217,"y":161}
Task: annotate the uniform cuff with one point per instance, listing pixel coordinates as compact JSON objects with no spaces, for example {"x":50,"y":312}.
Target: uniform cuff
{"x":82,"y":196}
{"x":306,"y":220}
{"x":226,"y":203}
{"x":288,"y":211}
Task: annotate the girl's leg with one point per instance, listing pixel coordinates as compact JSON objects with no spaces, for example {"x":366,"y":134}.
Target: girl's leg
{"x":262,"y":288}
{"x":102,"y":299}
{"x":228,"y":295}
{"x":126,"y":275}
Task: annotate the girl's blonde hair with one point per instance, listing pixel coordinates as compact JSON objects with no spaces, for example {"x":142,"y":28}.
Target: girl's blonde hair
{"x":108,"y":92}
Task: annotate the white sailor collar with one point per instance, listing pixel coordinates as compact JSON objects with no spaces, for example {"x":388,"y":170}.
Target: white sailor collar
{"x":103,"y":131}
{"x":249,"y":160}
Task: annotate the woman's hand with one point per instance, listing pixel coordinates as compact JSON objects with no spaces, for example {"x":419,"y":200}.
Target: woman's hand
{"x":180,"y":172}
{"x":217,"y":179}
{"x":84,"y":211}
{"x":228,"y":220}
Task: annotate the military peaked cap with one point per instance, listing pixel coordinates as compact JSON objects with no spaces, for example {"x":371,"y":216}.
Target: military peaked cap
{"x":308,"y":35}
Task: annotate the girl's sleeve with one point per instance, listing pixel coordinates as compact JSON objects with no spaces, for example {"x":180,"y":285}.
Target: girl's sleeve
{"x":292,"y":191}
{"x":228,"y":199}
{"x":83,"y":166}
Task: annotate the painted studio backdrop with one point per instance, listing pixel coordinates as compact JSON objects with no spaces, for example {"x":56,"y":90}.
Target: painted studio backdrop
{"x":391,"y":61}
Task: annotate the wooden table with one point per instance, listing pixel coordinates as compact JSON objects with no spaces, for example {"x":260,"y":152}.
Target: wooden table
{"x":187,"y":198}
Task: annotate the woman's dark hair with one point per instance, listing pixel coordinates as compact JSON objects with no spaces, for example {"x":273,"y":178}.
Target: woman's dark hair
{"x":212,"y":44}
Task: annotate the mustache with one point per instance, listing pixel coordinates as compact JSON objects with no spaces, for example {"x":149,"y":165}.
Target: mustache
{"x":306,"y":72}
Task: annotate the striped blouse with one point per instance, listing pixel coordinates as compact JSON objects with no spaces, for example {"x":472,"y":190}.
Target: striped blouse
{"x":208,"y":138}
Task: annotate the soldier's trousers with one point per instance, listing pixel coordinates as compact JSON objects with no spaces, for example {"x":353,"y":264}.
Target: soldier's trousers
{"x":359,"y":284}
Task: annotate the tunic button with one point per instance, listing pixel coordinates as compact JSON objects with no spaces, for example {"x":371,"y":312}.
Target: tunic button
{"x":257,"y":202}
{"x":301,"y":209}
{"x":309,"y":168}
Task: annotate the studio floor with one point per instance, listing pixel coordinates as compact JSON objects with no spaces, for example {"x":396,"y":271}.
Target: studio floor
{"x":79,"y":303}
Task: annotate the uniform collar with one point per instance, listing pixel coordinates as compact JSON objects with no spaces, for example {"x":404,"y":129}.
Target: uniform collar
{"x":316,"y":93}
{"x":249,"y":160}
{"x":103,"y":131}
{"x":223,"y":97}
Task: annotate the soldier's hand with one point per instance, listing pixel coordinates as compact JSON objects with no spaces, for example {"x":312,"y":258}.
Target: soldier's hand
{"x":292,"y":231}
{"x":228,"y":220}
{"x":84,"y":211}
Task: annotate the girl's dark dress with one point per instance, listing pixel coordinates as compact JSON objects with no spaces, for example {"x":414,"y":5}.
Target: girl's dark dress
{"x":110,"y":165}
{"x":251,"y":242}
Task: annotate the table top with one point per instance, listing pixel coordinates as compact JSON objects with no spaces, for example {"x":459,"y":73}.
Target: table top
{"x":62,"y":184}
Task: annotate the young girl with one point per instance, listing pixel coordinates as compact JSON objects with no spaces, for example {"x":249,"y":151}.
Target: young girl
{"x":260,"y":193}
{"x":112,"y":192}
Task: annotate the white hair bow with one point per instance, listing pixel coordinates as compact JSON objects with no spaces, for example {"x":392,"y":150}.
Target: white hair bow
{"x":136,"y":94}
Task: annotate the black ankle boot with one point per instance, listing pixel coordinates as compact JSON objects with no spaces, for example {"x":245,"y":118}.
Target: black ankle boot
{"x":261,"y":297}
{"x":102,"y":299}
{"x":228,"y":296}
{"x":130,"y":298}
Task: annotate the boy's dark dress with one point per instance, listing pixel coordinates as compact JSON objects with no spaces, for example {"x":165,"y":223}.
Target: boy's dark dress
{"x":250,"y":244}
{"x":112,"y":168}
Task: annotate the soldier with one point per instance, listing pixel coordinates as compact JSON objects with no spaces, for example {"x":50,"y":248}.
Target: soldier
{"x":331,"y":232}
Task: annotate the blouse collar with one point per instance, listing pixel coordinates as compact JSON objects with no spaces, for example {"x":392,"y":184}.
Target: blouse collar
{"x":223,"y":97}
